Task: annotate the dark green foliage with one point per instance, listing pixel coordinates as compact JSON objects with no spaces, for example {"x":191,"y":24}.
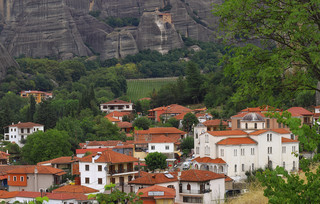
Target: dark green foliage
{"x":121,"y":22}
{"x":142,"y":122}
{"x":156,"y":160}
{"x":46,"y":114}
{"x":95,"y":14}
{"x":42,"y":146}
{"x":166,"y":8}
{"x":31,"y":109}
{"x":173,"y":122}
{"x":189,"y":120}
{"x":187,"y":144}
{"x":194,"y":82}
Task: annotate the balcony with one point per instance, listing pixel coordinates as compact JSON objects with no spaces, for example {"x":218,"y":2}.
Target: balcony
{"x":121,"y":171}
{"x":184,"y":191}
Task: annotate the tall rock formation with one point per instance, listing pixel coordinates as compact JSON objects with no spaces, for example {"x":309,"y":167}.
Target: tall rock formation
{"x":64,"y":29}
{"x":6,"y":61}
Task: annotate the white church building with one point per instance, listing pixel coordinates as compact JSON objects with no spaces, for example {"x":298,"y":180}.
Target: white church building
{"x":248,"y":149}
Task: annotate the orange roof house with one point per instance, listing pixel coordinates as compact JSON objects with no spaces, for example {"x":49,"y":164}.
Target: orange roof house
{"x":154,"y":178}
{"x":213,"y":125}
{"x":237,"y":141}
{"x":63,"y":163}
{"x":199,"y":175}
{"x":116,"y":105}
{"x":75,"y":189}
{"x":38,"y":95}
{"x":155,"y":193}
{"x":33,"y":178}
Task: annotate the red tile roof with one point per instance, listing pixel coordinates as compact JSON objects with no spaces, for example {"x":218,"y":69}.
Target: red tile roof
{"x":124,"y":125}
{"x":199,"y":175}
{"x":158,"y":109}
{"x":287,"y":140}
{"x":209,"y":160}
{"x":109,"y":143}
{"x":83,"y":151}
{"x":258,"y":132}
{"x":279,"y":130}
{"x":75,"y":189}
{"x":227,"y":133}
{"x":168,"y":192}
{"x":236,"y":141}
{"x":215,"y":122}
{"x":111,"y":119}
{"x":6,"y":194}
{"x":131,"y":146}
{"x":299,"y":111}
{"x":52,"y":196}
{"x":151,"y":179}
{"x":118,"y":114}
{"x":60,"y":160}
{"x":228,"y":178}
{"x":117,"y":101}
{"x":175,"y":108}
{"x":160,"y":130}
{"x":4,"y":156}
{"x":203,"y":114}
{"x":109,"y":156}
{"x":162,"y":139}
{"x":25,"y":125}
{"x":263,"y":108}
{"x":5,"y":168}
{"x":41,"y":170}
{"x":180,"y":116}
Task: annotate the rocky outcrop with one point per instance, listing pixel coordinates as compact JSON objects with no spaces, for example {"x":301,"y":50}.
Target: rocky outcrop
{"x":156,"y":34}
{"x":6,"y":61}
{"x":64,"y":29}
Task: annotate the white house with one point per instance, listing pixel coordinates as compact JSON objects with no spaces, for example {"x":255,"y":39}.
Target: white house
{"x":20,"y":131}
{"x":98,"y":169}
{"x":192,"y":186}
{"x":248,"y":150}
{"x":116,"y":105}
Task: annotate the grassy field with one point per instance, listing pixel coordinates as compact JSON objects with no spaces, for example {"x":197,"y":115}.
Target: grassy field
{"x":140,"y":88}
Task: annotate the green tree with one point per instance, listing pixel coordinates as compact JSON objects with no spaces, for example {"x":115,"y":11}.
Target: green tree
{"x":189,"y":120}
{"x":194,"y":82}
{"x":173,"y":122}
{"x":142,"y":122}
{"x":116,"y":196}
{"x":287,"y":59}
{"x":105,"y":130}
{"x":156,"y":160}
{"x":42,"y":146}
{"x":32,"y":109}
{"x":187,"y":144}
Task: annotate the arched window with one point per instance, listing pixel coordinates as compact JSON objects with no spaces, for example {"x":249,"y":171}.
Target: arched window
{"x":189,"y":187}
{"x":171,"y":186}
{"x":246,"y":125}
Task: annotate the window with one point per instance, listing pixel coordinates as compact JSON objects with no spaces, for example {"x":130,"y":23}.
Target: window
{"x":246,"y":125}
{"x":270,"y":137}
{"x":284,"y":165}
{"x":197,"y":150}
{"x":167,"y":147}
{"x":207,"y":138}
{"x":189,"y":187}
{"x":242,"y":167}
{"x":153,"y":147}
{"x":207,"y":150}
{"x":269,"y":150}
{"x":99,"y":167}
{"x":221,"y":152}
{"x":99,"y":180}
{"x":87,"y":180}
{"x":252,"y":151}
{"x":294,"y":165}
{"x":268,"y":123}
{"x":113,"y":180}
{"x":28,"y":130}
{"x":235,"y":168}
{"x":255,"y":125}
{"x":238,"y":123}
{"x":234,"y":152}
{"x":14,"y":178}
{"x":21,"y":178}
{"x":267,"y":137}
{"x":22,"y":130}
{"x":87,"y":167}
{"x":242,"y":152}
{"x":292,"y":136}
{"x":197,"y":135}
{"x":293,"y":148}
{"x":252,"y":166}
{"x":283,"y":150}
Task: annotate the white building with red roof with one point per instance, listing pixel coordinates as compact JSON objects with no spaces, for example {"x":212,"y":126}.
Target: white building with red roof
{"x":245,"y":150}
{"x":116,"y":105}
{"x":19,"y":132}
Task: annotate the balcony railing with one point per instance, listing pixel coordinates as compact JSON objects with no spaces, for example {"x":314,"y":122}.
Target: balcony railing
{"x":119,"y":171}
{"x":195,"y":191}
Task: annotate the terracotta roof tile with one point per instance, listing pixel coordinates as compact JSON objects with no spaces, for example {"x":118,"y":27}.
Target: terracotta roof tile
{"x":168,"y":192}
{"x":287,"y":140}
{"x":75,"y":169}
{"x":52,"y":196}
{"x":158,"y":109}
{"x":117,"y":101}
{"x":227,"y":133}
{"x":175,"y":108}
{"x":299,"y":111}
{"x":215,"y":122}
{"x":279,"y":130}
{"x":240,"y":115}
{"x":41,"y":170}
{"x":118,"y":114}
{"x":6,"y":194}
{"x":109,"y":156}
{"x":5,"y":168}
{"x":111,"y":119}
{"x":209,"y":160}
{"x":25,"y":125}
{"x":130,"y":146}
{"x":263,"y":108}
{"x":60,"y":160}
{"x":160,"y":130}
{"x":151,"y":179}
{"x":124,"y":125}
{"x":180,"y":116}
{"x":199,"y":175}
{"x":75,"y":189}
{"x":94,"y":150}
{"x":203,"y":114}
{"x":236,"y":141}
{"x":258,"y":132}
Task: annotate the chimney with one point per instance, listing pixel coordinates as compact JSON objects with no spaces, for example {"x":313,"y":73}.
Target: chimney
{"x":92,"y":160}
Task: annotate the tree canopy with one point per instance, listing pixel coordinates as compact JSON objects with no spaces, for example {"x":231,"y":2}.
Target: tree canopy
{"x":281,"y":55}
{"x":189,"y":120}
{"x":156,"y":160}
{"x":142,"y":122}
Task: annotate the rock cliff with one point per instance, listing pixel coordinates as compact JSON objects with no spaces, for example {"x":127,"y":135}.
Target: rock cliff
{"x":64,"y":29}
{"x":6,"y":61}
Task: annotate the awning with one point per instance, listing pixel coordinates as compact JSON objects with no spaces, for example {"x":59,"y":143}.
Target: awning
{"x":141,"y":164}
{"x":178,"y":153}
